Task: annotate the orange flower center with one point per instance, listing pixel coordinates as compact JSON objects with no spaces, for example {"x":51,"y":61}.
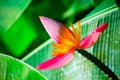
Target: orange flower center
{"x":68,"y":39}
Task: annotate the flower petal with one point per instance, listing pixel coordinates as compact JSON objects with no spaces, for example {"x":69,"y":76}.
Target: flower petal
{"x":57,"y":61}
{"x":55,"y":29}
{"x":93,"y":37}
{"x":102,"y":27}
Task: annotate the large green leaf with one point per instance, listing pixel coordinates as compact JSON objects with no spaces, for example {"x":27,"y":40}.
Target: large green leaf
{"x":10,"y":10}
{"x":107,"y":49}
{"x":14,"y":69}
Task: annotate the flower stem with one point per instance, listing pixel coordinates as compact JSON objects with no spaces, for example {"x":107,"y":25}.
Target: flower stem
{"x":99,"y":64}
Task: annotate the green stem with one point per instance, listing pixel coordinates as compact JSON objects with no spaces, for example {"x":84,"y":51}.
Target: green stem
{"x":99,"y":64}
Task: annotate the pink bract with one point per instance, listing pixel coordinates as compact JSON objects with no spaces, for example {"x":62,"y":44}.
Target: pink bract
{"x":89,"y":40}
{"x":56,"y":62}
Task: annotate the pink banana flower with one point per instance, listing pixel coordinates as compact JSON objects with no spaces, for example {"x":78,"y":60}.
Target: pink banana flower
{"x":66,"y":42}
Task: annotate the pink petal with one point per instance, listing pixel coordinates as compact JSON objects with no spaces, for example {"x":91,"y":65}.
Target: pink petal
{"x":56,"y":62}
{"x":102,"y":27}
{"x":54,"y":28}
{"x":93,"y":37}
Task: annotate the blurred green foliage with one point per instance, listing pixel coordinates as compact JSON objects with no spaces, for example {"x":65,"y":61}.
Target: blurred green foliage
{"x":20,"y":27}
{"x":17,"y":39}
{"x":10,"y":10}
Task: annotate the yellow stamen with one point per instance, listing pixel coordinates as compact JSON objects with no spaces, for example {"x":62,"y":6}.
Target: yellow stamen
{"x":60,"y":49}
{"x":73,"y":29}
{"x":68,"y":40}
{"x":79,"y":30}
{"x":76,"y":33}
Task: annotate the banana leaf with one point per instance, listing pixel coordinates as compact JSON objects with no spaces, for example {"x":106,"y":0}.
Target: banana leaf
{"x":10,"y":10}
{"x":107,"y":49}
{"x":14,"y":69}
